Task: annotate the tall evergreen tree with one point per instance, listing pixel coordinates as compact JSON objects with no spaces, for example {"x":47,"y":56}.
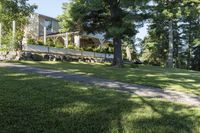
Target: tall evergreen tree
{"x":190,"y":26}
{"x":114,"y":18}
{"x":163,"y":31}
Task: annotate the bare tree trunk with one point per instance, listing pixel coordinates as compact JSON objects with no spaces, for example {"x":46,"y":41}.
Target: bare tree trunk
{"x":117,"y":61}
{"x":189,"y":53}
{"x":128,"y":53}
{"x":171,"y":49}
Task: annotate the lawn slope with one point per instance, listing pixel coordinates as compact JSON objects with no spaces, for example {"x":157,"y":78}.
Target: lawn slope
{"x":174,"y":79}
{"x":32,"y":103}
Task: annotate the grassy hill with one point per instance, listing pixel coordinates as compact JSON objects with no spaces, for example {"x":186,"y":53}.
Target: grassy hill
{"x":163,"y":78}
{"x":33,"y":103}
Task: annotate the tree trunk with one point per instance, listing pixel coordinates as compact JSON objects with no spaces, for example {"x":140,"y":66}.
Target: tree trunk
{"x":171,"y":49}
{"x":117,"y":61}
{"x":189,"y":57}
{"x":116,"y":20}
{"x":189,"y":53}
{"x":128,"y":53}
{"x":176,"y":45}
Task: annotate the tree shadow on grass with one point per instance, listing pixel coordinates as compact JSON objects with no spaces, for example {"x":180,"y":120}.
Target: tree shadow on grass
{"x":187,"y":81}
{"x":32,"y":103}
{"x":172,"y":118}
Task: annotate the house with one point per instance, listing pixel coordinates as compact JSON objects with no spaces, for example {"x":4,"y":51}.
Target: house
{"x":37,"y":23}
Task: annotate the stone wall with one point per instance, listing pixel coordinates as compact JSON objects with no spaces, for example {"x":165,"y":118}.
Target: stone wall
{"x":32,"y":56}
{"x":44,"y":53}
{"x":9,"y":56}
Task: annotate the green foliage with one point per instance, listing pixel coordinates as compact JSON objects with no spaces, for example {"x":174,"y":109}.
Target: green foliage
{"x":95,"y":16}
{"x":17,"y":10}
{"x":88,"y":49}
{"x":40,"y":42}
{"x":154,"y":49}
{"x":7,"y":42}
{"x":55,"y":43}
{"x":186,"y":32}
{"x":59,"y":44}
{"x":31,"y":41}
{"x":71,"y":46}
{"x":196,"y":58}
{"x":50,"y":42}
{"x":106,"y":48}
{"x":117,"y":19}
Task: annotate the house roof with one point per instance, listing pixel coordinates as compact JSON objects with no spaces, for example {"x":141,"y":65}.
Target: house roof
{"x":41,"y":15}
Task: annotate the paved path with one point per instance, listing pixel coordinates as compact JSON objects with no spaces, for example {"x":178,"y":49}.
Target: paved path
{"x":173,"y":96}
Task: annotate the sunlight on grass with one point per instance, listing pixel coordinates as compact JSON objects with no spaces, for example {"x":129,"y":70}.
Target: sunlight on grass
{"x":175,"y":79}
{"x":181,"y":74}
{"x":16,"y":74}
{"x":41,"y":104}
{"x":76,"y":107}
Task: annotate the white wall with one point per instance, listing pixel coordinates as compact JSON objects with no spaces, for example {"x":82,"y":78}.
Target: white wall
{"x":45,"y":49}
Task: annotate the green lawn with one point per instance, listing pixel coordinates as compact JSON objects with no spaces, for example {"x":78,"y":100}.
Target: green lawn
{"x":175,"y":79}
{"x":31,"y":103}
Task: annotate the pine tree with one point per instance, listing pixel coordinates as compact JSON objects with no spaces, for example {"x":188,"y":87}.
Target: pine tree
{"x":115,"y":18}
{"x":190,"y":26}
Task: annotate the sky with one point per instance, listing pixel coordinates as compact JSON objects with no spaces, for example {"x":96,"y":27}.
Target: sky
{"x":53,"y":8}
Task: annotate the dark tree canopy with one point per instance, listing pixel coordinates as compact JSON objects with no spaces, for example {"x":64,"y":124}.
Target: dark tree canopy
{"x":185,"y":19}
{"x":114,"y":18}
{"x":174,"y":26}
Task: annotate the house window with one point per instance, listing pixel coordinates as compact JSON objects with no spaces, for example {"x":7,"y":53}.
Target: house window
{"x":48,"y":24}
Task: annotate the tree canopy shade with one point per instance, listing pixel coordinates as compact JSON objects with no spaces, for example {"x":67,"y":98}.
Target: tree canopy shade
{"x":17,"y":10}
{"x":114,"y":18}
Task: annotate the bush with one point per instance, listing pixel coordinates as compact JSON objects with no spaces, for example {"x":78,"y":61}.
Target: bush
{"x":50,"y":42}
{"x":31,"y":41}
{"x":89,"y":49}
{"x":106,"y":48}
{"x":70,"y":46}
{"x":40,"y":42}
{"x":59,"y":45}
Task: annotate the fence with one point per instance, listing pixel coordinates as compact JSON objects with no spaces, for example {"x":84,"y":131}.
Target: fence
{"x":51,"y":50}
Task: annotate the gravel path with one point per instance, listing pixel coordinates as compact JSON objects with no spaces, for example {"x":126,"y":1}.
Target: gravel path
{"x":173,"y":96}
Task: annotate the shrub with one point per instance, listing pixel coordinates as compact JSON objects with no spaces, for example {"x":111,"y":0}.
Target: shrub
{"x":70,"y":46}
{"x":40,"y":42}
{"x":88,"y":49}
{"x":59,"y":44}
{"x":106,"y":48}
{"x":50,"y":42}
{"x":31,"y":41}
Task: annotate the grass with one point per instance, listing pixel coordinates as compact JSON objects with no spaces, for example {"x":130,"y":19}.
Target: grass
{"x":173,"y":79}
{"x":32,"y":103}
